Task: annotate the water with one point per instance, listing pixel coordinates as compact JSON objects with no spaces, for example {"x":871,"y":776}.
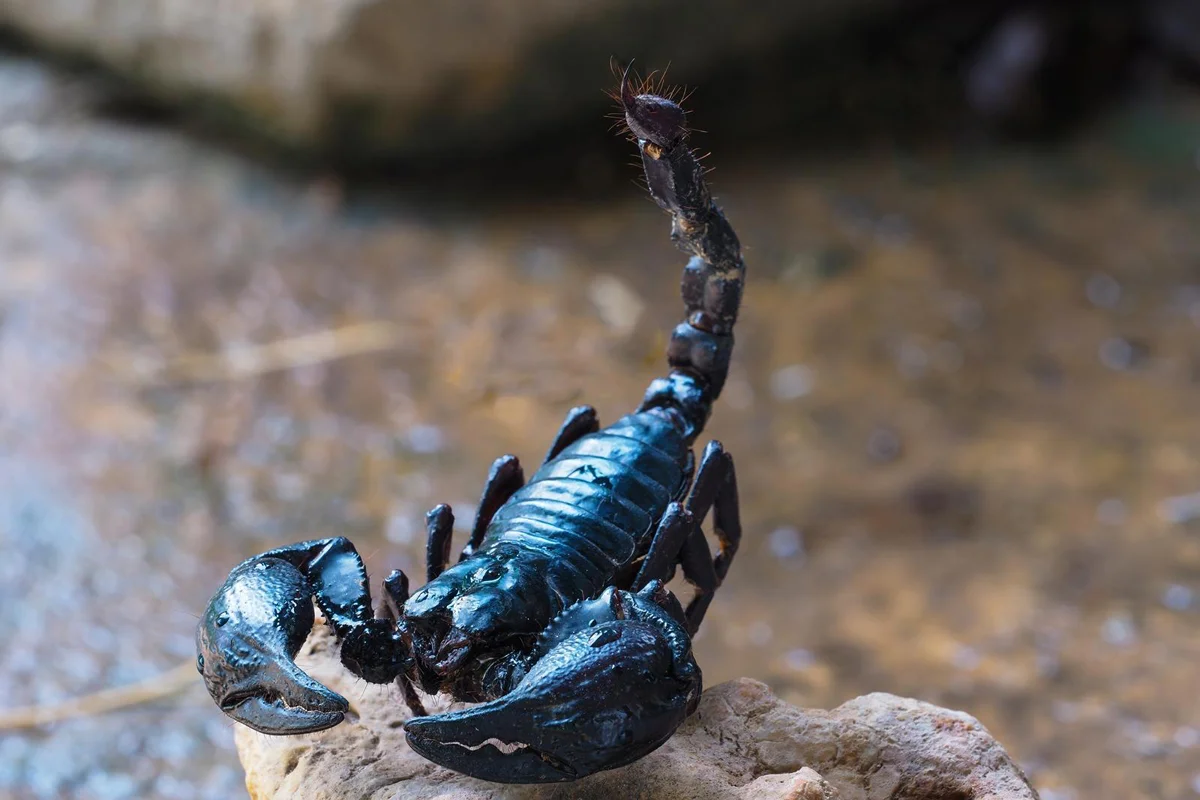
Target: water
{"x":955,"y":486}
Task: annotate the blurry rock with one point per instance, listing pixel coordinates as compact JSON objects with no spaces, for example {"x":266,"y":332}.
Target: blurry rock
{"x":401,"y":78}
{"x":743,"y":743}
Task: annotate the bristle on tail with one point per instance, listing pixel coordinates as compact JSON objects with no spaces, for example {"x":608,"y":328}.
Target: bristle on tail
{"x":700,"y":346}
{"x":648,"y":109}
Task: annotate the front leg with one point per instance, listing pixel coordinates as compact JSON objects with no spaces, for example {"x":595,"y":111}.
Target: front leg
{"x":439,"y":528}
{"x":258,"y":620}
{"x":395,"y":595}
{"x":580,"y":421}
{"x":504,"y":479}
{"x":608,"y":682}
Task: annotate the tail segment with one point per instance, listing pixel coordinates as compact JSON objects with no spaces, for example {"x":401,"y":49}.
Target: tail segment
{"x":701,"y":345}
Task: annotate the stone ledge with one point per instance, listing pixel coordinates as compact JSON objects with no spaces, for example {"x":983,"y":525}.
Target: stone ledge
{"x":393,"y":78}
{"x":743,"y":743}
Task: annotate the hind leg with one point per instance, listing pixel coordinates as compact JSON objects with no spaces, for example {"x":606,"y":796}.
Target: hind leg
{"x":680,"y":539}
{"x":715,"y":489}
{"x":669,"y":538}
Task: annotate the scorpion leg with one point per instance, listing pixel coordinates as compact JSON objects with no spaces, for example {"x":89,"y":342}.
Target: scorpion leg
{"x":716,"y":489}
{"x":611,"y":679}
{"x":439,"y":527}
{"x":689,"y":473}
{"x":673,"y":530}
{"x":395,"y":595}
{"x":391,"y":606}
{"x":680,"y":539}
{"x":504,"y":478}
{"x":256,"y":623}
{"x":580,"y":421}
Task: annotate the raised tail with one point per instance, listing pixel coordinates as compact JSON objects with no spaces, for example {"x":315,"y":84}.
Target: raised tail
{"x":702,"y":344}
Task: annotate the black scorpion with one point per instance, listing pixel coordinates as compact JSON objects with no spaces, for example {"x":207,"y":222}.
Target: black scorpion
{"x":556,"y":617}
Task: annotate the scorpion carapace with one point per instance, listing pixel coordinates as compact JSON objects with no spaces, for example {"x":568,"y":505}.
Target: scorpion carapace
{"x":556,"y":618}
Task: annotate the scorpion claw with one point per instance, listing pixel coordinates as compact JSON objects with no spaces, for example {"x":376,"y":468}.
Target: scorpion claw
{"x":277,"y":715}
{"x":246,"y":644}
{"x":617,"y":679}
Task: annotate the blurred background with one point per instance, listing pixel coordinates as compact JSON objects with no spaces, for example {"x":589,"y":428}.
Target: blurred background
{"x":272,"y":271}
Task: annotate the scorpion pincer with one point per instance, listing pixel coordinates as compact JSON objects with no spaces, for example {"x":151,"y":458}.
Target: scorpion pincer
{"x":555,"y":619}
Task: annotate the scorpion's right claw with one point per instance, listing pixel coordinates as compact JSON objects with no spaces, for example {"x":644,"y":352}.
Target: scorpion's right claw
{"x":615,"y":678}
{"x":246,"y":644}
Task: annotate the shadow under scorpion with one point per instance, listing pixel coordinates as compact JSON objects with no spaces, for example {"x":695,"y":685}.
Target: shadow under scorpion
{"x":556,"y":617}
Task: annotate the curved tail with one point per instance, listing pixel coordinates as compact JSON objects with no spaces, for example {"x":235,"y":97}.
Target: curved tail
{"x":701,"y":345}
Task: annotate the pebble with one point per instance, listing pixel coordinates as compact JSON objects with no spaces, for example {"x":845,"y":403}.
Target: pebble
{"x":1180,"y":509}
{"x":792,"y":382}
{"x":1186,"y":737}
{"x":543,"y":263}
{"x":966,"y":658}
{"x":884,"y":445}
{"x":912,"y":360}
{"x":1121,"y":354}
{"x":425,"y":439}
{"x":19,"y":142}
{"x":759,"y":633}
{"x":799,"y":659}
{"x":1103,"y":291}
{"x":965,"y":311}
{"x":1057,"y":794}
{"x":1119,"y":630}
{"x":786,"y":543}
{"x":402,"y":528}
{"x":619,"y":306}
{"x":1178,"y":597}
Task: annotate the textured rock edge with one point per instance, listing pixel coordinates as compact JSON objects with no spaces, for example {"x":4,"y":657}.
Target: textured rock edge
{"x":743,"y":742}
{"x":385,"y":78}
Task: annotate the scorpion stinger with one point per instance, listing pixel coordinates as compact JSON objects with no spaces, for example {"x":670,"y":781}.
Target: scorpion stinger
{"x":555,"y":618}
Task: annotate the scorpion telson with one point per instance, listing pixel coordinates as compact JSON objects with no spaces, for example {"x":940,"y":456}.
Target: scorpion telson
{"x":555,"y":619}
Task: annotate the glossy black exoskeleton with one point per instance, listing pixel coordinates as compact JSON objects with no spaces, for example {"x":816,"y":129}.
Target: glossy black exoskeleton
{"x":555,"y":617}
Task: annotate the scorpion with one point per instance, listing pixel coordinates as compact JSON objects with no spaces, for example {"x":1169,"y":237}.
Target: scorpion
{"x":556,"y":618}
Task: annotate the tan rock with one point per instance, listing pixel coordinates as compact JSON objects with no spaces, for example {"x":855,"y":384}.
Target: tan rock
{"x":399,"y":77}
{"x":743,"y":743}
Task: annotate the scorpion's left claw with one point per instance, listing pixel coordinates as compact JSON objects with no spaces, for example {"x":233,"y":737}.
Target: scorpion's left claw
{"x":616,"y":679}
{"x":287,"y":706}
{"x":245,"y":645}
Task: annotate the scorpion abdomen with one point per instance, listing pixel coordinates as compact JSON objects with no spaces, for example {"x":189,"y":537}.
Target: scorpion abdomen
{"x":593,"y":507}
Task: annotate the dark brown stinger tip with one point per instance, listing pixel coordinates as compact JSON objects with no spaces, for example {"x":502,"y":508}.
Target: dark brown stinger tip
{"x":652,"y":117}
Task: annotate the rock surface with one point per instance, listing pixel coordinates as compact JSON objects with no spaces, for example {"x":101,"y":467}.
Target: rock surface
{"x":743,"y":743}
{"x":395,"y":76}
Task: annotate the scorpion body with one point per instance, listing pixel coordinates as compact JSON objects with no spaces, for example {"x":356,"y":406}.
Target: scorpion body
{"x":556,"y":618}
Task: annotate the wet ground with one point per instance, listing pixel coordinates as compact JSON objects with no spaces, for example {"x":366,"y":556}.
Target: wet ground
{"x":963,"y":407}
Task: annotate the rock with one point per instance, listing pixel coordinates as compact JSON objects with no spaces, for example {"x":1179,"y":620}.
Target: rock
{"x":743,"y":743}
{"x":395,"y":77}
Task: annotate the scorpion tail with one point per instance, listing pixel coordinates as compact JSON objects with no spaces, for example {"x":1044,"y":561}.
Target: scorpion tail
{"x":700,"y":345}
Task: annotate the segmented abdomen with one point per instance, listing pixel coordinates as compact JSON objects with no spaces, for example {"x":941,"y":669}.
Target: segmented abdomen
{"x":589,"y":510}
